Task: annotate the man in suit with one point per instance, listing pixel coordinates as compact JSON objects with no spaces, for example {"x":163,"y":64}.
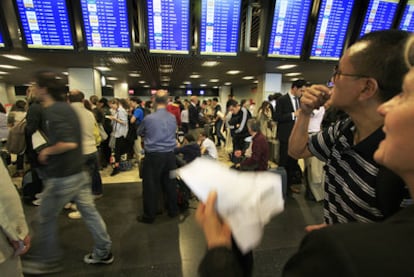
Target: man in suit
{"x":193,"y":116}
{"x":286,"y":112}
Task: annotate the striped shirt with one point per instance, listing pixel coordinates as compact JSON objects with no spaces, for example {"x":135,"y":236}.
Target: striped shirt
{"x":350,"y":171}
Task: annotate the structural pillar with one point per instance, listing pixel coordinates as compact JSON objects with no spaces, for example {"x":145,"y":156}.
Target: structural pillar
{"x":87,"y":80}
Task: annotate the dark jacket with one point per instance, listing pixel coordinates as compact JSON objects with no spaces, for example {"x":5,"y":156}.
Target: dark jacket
{"x":283,"y":116}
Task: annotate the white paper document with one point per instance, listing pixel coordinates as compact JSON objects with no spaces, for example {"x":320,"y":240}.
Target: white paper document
{"x":246,"y":200}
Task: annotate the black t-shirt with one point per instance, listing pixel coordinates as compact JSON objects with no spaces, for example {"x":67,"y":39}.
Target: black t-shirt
{"x":62,"y":125}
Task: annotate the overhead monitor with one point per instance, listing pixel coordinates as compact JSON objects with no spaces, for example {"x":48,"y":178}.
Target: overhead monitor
{"x":331,"y":29}
{"x":290,"y":20}
{"x":45,"y":24}
{"x":220,"y":27}
{"x":169,"y":26}
{"x":2,"y":44}
{"x":407,"y":19}
{"x":106,"y":25}
{"x":379,"y":16}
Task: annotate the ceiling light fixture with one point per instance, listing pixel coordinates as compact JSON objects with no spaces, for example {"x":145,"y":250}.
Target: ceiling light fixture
{"x":227,"y":83}
{"x":6,"y":66}
{"x":195,"y":76}
{"x":142,"y":82}
{"x":134,"y":75}
{"x":294,"y":79}
{"x":145,"y":86}
{"x":210,"y":63}
{"x":4,"y":72}
{"x":248,"y":78}
{"x":214,"y":80}
{"x":65,"y":73}
{"x":17,"y":57}
{"x":203,"y":85}
{"x":293,"y":74}
{"x":119,"y":60}
{"x":112,"y":78}
{"x":286,"y":66}
{"x":187,"y":83}
{"x":233,"y":72}
{"x":102,"y":68}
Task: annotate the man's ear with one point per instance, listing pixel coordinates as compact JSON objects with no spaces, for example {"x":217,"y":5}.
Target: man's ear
{"x":369,"y":90}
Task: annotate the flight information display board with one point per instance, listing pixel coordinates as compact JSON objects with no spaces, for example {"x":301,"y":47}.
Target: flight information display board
{"x":45,"y":24}
{"x":169,"y":26}
{"x":290,"y":20}
{"x":106,"y":25}
{"x":380,"y":16}
{"x":220,"y":23}
{"x":407,"y":19}
{"x":2,"y":44}
{"x":331,"y":28}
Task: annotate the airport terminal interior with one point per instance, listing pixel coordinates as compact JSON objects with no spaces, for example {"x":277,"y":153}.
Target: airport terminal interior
{"x":249,"y":49}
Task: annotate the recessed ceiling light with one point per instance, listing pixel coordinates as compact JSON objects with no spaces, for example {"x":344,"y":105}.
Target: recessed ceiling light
{"x":134,"y":74}
{"x":145,"y":86}
{"x":293,"y":74}
{"x":286,"y":66}
{"x":65,"y":73}
{"x":112,"y":78}
{"x":294,"y":79}
{"x":102,"y":68}
{"x":166,"y":70}
{"x":58,"y":78}
{"x":165,"y":66}
{"x":118,"y":60}
{"x":227,"y":83}
{"x":248,"y":78}
{"x":165,"y":84}
{"x":203,"y":85}
{"x":4,"y":72}
{"x":16,"y":57}
{"x":186,"y":82}
{"x":142,"y":82}
{"x":214,"y":80}
{"x":233,"y":72}
{"x":256,"y":81}
{"x":210,"y":63}
{"x":215,"y":87}
{"x":195,"y":76}
{"x":7,"y":66}
{"x":165,"y":78}
{"x":182,"y":86}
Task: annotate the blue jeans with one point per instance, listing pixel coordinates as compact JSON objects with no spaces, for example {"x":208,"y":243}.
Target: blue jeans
{"x":57,"y":192}
{"x":91,"y":162}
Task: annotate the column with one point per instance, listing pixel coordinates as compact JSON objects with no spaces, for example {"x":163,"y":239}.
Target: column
{"x":121,"y":90}
{"x":87,"y":80}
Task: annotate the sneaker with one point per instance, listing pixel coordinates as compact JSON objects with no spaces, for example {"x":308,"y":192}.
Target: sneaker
{"x":37,"y":202}
{"x":75,"y":215}
{"x":40,"y":268}
{"x":90,"y":259}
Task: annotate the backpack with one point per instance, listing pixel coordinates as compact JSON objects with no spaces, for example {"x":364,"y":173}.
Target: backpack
{"x":16,"y":140}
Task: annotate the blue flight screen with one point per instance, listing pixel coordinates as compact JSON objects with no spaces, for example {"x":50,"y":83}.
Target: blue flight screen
{"x":379,"y":16}
{"x":169,"y":26}
{"x":331,"y":28}
{"x":106,"y":25}
{"x":220,"y":21}
{"x":290,"y":20}
{"x":407,"y":20}
{"x":1,"y":40}
{"x":45,"y":24}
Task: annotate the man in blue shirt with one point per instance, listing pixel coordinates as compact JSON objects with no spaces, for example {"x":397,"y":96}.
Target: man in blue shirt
{"x":158,"y":131}
{"x":136,"y":119}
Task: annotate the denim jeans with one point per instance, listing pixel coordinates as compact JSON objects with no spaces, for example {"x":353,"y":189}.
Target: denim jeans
{"x":57,"y":192}
{"x":91,"y":162}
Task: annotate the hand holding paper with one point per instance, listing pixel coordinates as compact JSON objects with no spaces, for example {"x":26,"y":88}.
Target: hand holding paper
{"x":246,"y":200}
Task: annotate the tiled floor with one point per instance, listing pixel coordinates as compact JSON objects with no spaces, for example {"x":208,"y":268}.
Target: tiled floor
{"x":169,"y":247}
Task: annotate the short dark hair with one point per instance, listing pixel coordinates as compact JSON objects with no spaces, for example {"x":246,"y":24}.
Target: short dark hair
{"x":135,"y":99}
{"x":189,"y":137}
{"x":215,"y":99}
{"x":232,"y":103}
{"x":298,"y":83}
{"x":54,"y":85}
{"x":76,"y":96}
{"x":253,"y":124}
{"x":383,"y":60}
{"x":161,"y":97}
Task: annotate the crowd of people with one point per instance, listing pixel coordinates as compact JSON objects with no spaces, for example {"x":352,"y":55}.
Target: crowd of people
{"x":358,"y":130}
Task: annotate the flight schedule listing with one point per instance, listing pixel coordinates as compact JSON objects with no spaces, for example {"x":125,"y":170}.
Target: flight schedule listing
{"x":380,"y":16}
{"x":45,"y":24}
{"x":169,"y":26}
{"x":219,"y":27}
{"x":407,"y":20}
{"x":288,"y":29}
{"x":331,"y":28}
{"x":106,"y":25}
{"x":1,"y":40}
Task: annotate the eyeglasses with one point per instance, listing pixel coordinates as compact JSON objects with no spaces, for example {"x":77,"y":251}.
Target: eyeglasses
{"x":336,"y":73}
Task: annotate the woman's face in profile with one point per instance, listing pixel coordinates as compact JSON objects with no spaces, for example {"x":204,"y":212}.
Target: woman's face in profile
{"x":396,"y":150}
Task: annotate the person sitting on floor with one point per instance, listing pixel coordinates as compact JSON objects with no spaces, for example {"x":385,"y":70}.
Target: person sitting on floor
{"x":208,"y":148}
{"x":189,"y":150}
{"x":257,"y":155}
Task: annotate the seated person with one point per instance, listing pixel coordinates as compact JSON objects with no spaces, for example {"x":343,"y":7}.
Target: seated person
{"x":208,"y":147}
{"x":350,"y":249}
{"x":188,"y":151}
{"x":257,"y":155}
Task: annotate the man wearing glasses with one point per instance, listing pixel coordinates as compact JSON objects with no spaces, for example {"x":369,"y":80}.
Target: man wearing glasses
{"x":356,"y":187}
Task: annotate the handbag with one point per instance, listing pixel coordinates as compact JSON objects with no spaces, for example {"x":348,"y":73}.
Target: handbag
{"x":16,"y":140}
